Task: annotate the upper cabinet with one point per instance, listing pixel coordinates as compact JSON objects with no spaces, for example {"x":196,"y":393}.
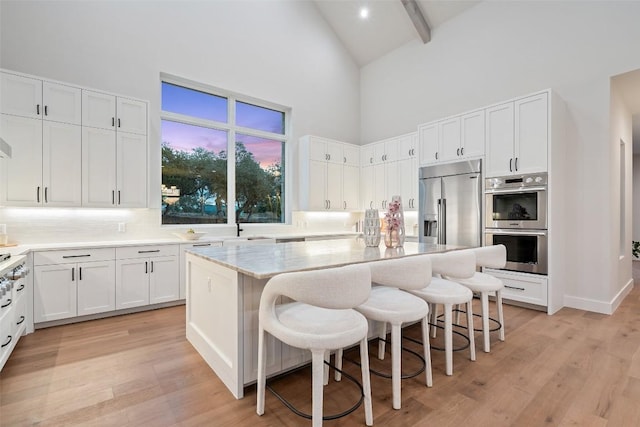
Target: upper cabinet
{"x":41,"y":121}
{"x":71,"y":146}
{"x":114,"y":151}
{"x":329,"y":174}
{"x":104,"y":111}
{"x":456,"y":138}
{"x":517,"y":136}
{"x":390,"y":168}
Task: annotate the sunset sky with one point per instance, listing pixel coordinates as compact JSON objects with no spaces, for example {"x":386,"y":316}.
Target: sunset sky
{"x":185,"y":137}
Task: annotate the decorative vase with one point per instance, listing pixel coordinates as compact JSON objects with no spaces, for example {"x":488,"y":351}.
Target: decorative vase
{"x":371,"y":229}
{"x":394,"y":220}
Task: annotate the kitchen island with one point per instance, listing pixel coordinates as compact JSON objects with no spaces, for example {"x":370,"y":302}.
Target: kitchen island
{"x":224,"y":286}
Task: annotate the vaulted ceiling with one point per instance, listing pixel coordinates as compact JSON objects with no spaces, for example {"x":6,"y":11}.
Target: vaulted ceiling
{"x":388,"y":25}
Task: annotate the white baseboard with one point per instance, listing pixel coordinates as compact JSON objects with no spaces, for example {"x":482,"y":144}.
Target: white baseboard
{"x":604,"y":307}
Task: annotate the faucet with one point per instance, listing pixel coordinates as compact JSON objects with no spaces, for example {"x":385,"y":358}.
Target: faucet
{"x":238,"y":229}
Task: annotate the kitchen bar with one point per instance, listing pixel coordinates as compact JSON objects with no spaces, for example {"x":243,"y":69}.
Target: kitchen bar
{"x":224,"y":286}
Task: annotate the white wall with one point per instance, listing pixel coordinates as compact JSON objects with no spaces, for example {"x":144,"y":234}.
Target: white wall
{"x":279,"y":51}
{"x":636,"y":197}
{"x":501,"y":49}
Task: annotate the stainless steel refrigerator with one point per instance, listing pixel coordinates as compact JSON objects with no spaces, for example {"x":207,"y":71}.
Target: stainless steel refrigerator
{"x":450,"y":203}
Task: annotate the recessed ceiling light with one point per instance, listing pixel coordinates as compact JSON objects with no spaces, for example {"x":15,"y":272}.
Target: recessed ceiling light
{"x":364,"y":12}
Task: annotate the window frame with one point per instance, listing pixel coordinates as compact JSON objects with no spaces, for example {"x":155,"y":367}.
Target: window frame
{"x":231,"y":128}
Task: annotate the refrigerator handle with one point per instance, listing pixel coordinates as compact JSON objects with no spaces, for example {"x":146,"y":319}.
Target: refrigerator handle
{"x":439,"y":223}
{"x":443,"y":222}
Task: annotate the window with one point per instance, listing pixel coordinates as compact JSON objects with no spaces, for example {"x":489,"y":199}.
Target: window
{"x":220,"y":150}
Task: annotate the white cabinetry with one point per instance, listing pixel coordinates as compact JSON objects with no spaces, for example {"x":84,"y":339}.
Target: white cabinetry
{"x":328,"y":174}
{"x":114,"y":151}
{"x":183,"y":257}
{"x":408,"y":171}
{"x":389,"y":168}
{"x":146,"y":275}
{"x":14,"y":310}
{"x":522,"y":287}
{"x":72,"y":283}
{"x":517,"y":136}
{"x":40,"y":120}
{"x":456,"y":138}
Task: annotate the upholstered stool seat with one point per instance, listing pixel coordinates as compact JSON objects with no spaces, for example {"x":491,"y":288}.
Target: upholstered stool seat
{"x":485,"y":284}
{"x":388,"y":303}
{"x":320,"y":319}
{"x":449,"y":293}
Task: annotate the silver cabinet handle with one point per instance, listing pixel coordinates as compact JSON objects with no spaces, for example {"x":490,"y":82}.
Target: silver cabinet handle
{"x":118,"y":196}
{"x":510,"y":165}
{"x":46,"y":110}
{"x":516,"y":164}
{"x":458,"y":152}
{"x":113,"y":197}
{"x":38,"y":194}
{"x":146,"y":267}
{"x":38,"y":109}
{"x":152,"y":266}
{"x":80,"y":273}
{"x":345,"y":205}
{"x":76,"y":256}
{"x":113,"y":121}
{"x":46,"y":199}
{"x":514,"y":288}
{"x":149,"y":251}
{"x":73,"y":274}
{"x":436,"y":155}
{"x":462,"y":151}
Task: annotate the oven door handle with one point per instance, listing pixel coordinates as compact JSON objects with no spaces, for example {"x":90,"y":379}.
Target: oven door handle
{"x":514,"y":190}
{"x":500,"y":231}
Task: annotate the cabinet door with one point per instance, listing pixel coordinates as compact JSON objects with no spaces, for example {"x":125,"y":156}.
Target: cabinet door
{"x":351,"y":155}
{"x":367,"y":185}
{"x":61,"y":164}
{"x":450,"y":139}
{"x":98,"y":110}
{"x":350,"y":187}
{"x":472,"y":134}
{"x":334,"y":153}
{"x":61,"y":103}
{"x":531,"y":134}
{"x":428,"y":141}
{"x":22,"y":174}
{"x":317,"y":149}
{"x":54,"y":292}
{"x":132,"y":170}
{"x":131,"y":116}
{"x":21,"y":96}
{"x":379,"y":153}
{"x":408,"y":172}
{"x":334,"y":186}
{"x":366,"y":155}
{"x":391,"y":150}
{"x":407,"y":147}
{"x":96,"y":287}
{"x":499,"y":140}
{"x":392,"y":182}
{"x":164,"y":283}
{"x":317,"y":185}
{"x":379,"y":186}
{"x":98,"y":167}
{"x":132,"y":283}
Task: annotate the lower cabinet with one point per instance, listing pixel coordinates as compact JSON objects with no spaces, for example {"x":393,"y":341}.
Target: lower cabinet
{"x":147,"y":275}
{"x":65,"y":287}
{"x":183,"y":257}
{"x":523,"y":287}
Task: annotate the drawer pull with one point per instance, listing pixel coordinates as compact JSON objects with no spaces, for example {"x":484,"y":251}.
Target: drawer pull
{"x":20,"y":288}
{"x":8,"y":342}
{"x":76,"y":256}
{"x":22,"y":319}
{"x":202,"y":244}
{"x":149,"y":252}
{"x":7,"y":304}
{"x":514,"y":288}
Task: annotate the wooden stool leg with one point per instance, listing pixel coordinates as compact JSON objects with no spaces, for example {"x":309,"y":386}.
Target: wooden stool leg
{"x":317,"y":366}
{"x":500,"y":314}
{"x":396,"y":338}
{"x":261,"y":381}
{"x":448,"y":338}
{"x":366,"y":381}
{"x":484,"y":296}
{"x":470,"y":331}
{"x":427,"y":351}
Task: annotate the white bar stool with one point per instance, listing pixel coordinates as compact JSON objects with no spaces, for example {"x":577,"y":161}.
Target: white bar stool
{"x":485,"y":284}
{"x":388,"y":303}
{"x":449,"y":293}
{"x":320,"y":319}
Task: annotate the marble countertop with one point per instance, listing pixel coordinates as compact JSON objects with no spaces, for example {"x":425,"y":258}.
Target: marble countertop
{"x":265,"y":261}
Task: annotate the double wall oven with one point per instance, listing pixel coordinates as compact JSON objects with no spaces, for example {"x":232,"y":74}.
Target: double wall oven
{"x":516,"y":216}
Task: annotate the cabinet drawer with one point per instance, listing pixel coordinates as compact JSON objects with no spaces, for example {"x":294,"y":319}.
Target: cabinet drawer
{"x":73,"y":255}
{"x":130,"y":252}
{"x":529,"y":288}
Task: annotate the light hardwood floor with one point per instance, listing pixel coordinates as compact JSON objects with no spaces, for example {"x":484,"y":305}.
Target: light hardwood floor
{"x":570,"y":369}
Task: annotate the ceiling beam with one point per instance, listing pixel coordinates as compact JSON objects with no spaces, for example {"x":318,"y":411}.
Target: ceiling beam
{"x":417,"y":17}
